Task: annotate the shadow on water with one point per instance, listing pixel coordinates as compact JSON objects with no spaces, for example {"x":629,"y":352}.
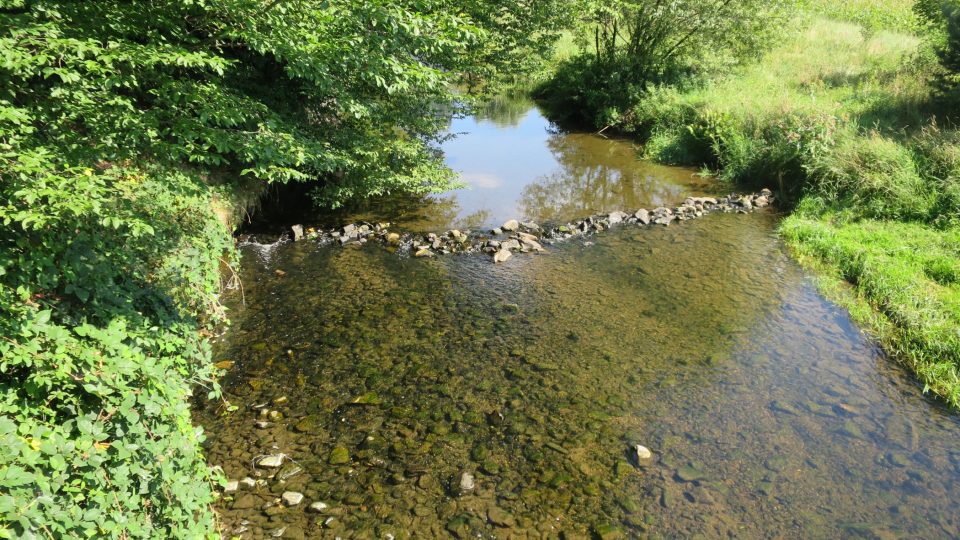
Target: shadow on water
{"x":392,"y":382}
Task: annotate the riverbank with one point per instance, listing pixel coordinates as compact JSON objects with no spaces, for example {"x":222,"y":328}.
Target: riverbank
{"x":839,"y":116}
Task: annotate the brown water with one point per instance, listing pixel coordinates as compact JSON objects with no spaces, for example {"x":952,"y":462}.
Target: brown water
{"x":769,"y":414}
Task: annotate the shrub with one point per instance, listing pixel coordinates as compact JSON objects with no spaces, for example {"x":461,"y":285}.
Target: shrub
{"x":106,"y":278}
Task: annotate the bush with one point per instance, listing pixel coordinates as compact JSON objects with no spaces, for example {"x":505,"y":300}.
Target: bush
{"x":106,"y":279}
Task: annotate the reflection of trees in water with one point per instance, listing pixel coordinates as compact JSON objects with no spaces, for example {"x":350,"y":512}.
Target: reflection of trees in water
{"x":504,"y":111}
{"x":412,"y":211}
{"x":596,"y":175}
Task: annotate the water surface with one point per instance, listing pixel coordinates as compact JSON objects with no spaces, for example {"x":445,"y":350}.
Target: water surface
{"x":768,"y":412}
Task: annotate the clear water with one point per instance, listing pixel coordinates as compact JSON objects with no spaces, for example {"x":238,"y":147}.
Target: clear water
{"x":768,"y":412}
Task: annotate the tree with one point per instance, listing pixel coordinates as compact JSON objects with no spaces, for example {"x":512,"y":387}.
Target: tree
{"x":645,"y":38}
{"x":949,"y":53}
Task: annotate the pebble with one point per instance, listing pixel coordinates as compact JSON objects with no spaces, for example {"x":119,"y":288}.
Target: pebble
{"x":292,"y":498}
{"x":271,"y":462}
{"x":248,"y":482}
{"x":318,"y":507}
{"x":502,"y":255}
{"x":500,"y":518}
{"x":467,"y":483}
{"x":642,"y":453}
{"x":231,"y":487}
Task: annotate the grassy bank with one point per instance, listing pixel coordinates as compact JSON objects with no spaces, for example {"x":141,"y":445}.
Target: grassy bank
{"x":839,"y":116}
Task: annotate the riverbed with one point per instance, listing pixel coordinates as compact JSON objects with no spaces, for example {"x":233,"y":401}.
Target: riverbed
{"x":452,"y":396}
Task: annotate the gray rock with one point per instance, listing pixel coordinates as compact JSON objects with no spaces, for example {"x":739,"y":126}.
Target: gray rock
{"x":616,"y":217}
{"x":500,"y":518}
{"x":292,"y":498}
{"x":231,"y":487}
{"x":526,"y":237}
{"x":642,"y":453}
{"x":271,"y":462}
{"x":318,"y":507}
{"x":530,"y":226}
{"x":532,"y":245}
{"x":245,"y":502}
{"x":643,"y":216}
{"x":502,"y":255}
{"x":665,"y":220}
{"x":467,"y":483}
{"x":248,"y":482}
{"x":349,"y":230}
{"x":511,"y":225}
{"x":511,"y":244}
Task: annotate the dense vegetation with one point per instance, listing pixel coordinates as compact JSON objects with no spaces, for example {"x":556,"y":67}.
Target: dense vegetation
{"x":848,"y":113}
{"x":122,"y":124}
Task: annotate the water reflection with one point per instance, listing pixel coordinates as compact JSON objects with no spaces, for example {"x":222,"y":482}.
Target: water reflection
{"x":517,"y":164}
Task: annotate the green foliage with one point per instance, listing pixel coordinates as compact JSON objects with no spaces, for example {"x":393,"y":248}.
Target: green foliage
{"x":106,"y":276}
{"x":872,"y":15}
{"x":950,"y":52}
{"x":633,"y":44}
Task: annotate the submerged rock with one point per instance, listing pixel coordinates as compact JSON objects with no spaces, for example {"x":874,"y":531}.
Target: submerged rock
{"x":642,"y":453}
{"x":271,"y":462}
{"x":291,"y":498}
{"x":502,"y":255}
{"x":339,"y":456}
{"x":318,"y":507}
{"x":467,"y":484}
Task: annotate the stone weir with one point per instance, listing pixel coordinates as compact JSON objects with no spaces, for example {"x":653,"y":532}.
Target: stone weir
{"x":516,"y":236}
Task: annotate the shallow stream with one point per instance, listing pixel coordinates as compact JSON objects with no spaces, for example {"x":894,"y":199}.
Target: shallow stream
{"x":391,"y":384}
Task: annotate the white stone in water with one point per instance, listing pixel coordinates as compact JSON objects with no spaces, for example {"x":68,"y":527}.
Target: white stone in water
{"x":642,"y":452}
{"x":318,"y":507}
{"x":467,"y":482}
{"x":248,"y":482}
{"x":292,"y":498}
{"x":279,"y":532}
{"x":231,"y":487}
{"x":616,"y":217}
{"x":511,"y":225}
{"x":643,"y":216}
{"x":271,"y":462}
{"x":502,"y":255}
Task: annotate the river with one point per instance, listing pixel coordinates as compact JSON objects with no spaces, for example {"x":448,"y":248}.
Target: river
{"x":454,"y":397}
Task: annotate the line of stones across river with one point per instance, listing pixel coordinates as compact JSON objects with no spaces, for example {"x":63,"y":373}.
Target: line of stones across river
{"x":526,"y":237}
